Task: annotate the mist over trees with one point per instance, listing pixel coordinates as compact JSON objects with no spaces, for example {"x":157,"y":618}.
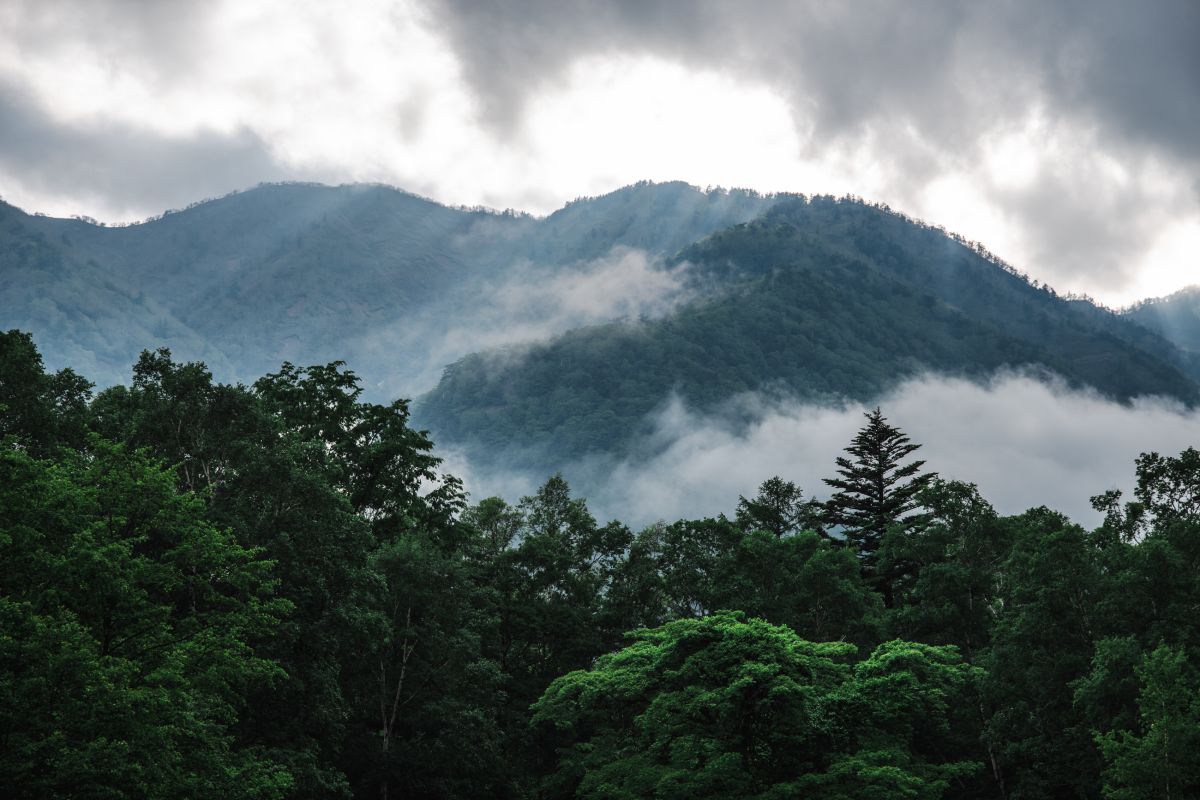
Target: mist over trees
{"x":272,"y":591}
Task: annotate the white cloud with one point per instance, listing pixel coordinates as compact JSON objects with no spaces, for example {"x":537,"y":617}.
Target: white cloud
{"x":1024,"y":442}
{"x":531,"y":303}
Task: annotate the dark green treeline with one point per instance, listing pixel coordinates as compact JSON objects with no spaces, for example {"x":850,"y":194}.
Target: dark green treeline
{"x":272,"y":592}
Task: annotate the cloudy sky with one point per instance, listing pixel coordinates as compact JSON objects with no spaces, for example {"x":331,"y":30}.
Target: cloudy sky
{"x":1064,"y":135}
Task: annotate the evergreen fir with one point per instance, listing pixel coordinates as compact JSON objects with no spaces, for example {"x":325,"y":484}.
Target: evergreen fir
{"x":876,"y":493}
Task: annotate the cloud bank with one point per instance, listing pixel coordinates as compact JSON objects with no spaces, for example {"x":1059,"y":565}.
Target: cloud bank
{"x":1026,"y":443}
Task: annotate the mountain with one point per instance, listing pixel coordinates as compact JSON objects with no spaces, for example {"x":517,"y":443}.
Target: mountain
{"x":819,"y":299}
{"x":1175,"y":317}
{"x":311,"y":273}
{"x":564,"y":333}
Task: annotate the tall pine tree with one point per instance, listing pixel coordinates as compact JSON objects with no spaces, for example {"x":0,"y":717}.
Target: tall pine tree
{"x":876,"y":493}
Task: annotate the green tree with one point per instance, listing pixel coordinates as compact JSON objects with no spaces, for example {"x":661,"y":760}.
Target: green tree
{"x":425,"y":696}
{"x":1161,"y":759}
{"x":498,"y":524}
{"x":385,"y":467}
{"x":728,"y":707}
{"x":948,"y":584}
{"x":374,"y":548}
{"x":877,"y":493}
{"x":1052,"y":611}
{"x":636,"y":596}
{"x":802,"y":581}
{"x":548,"y":603}
{"x":127,"y":625}
{"x":691,"y":557}
{"x":337,"y":492}
{"x":40,"y":411}
{"x":779,"y":507}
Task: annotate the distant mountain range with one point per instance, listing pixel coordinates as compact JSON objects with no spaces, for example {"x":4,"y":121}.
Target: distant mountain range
{"x":561,"y":334}
{"x":311,"y":273}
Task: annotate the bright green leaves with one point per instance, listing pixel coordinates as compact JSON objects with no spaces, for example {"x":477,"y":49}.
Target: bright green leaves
{"x":729,"y":707}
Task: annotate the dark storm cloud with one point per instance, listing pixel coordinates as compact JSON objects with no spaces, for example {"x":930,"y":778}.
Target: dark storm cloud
{"x":948,"y":68}
{"x":117,"y":164}
{"x":1138,"y":70}
{"x":924,"y":86}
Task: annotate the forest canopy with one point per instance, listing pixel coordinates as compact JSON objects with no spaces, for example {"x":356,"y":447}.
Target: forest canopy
{"x":274,"y":591}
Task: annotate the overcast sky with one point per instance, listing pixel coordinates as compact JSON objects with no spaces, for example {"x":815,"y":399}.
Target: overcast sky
{"x":1063,"y":135}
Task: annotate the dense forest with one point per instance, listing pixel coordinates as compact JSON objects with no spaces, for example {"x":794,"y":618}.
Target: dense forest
{"x":272,"y":591}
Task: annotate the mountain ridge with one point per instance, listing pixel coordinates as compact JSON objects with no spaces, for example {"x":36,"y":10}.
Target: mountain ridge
{"x":240,"y":281}
{"x":825,"y":298}
{"x":607,"y":306}
{"x":1175,"y":317}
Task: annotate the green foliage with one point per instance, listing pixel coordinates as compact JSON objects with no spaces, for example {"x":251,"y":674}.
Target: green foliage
{"x":1042,"y":644}
{"x":780,"y":508}
{"x":1162,"y":758}
{"x":273,"y":591}
{"x":127,"y":628}
{"x":41,"y":411}
{"x":801,"y":581}
{"x":729,"y":707}
{"x":547,"y":596}
{"x":948,"y":585}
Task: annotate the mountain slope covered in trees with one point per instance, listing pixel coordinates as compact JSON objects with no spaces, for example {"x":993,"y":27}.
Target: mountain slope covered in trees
{"x":307,"y":272}
{"x":1175,"y":317}
{"x":818,"y":299}
{"x":603,"y":310}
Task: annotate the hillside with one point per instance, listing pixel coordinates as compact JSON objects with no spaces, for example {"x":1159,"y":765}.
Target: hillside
{"x":563,"y":333}
{"x":312,"y":273}
{"x":1175,"y":317}
{"x":820,"y":300}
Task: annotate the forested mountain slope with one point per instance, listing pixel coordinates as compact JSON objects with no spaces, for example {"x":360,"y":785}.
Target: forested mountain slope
{"x":821,"y":299}
{"x":1175,"y":317}
{"x":310,"y":273}
{"x":613,"y":303}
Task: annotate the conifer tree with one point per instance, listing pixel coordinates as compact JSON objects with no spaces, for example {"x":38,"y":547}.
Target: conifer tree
{"x":876,"y":493}
{"x":780,"y":508}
